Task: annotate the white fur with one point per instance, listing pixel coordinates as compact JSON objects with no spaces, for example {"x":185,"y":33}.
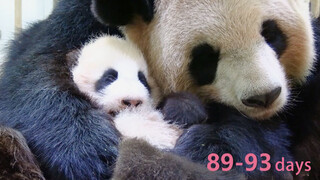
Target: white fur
{"x":315,"y":8}
{"x":134,"y":122}
{"x":146,"y":123}
{"x":111,"y":52}
{"x":247,"y":65}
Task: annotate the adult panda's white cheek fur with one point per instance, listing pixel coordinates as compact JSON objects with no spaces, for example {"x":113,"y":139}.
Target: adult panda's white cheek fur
{"x":147,"y":124}
{"x":239,"y":78}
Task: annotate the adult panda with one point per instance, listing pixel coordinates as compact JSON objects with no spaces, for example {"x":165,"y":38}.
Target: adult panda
{"x":252,"y":56}
{"x":70,"y":137}
{"x":38,"y":98}
{"x":113,"y":74}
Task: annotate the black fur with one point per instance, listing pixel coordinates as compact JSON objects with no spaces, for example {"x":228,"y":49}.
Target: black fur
{"x":107,"y":78}
{"x":204,"y":64}
{"x":273,"y":35}
{"x":183,"y":109}
{"x":230,"y":132}
{"x":122,"y":12}
{"x":304,"y":121}
{"x":16,"y":160}
{"x":74,"y":140}
{"x":142,"y":78}
{"x":70,"y":138}
{"x":316,"y":29}
{"x":157,"y":165}
{"x":303,"y":117}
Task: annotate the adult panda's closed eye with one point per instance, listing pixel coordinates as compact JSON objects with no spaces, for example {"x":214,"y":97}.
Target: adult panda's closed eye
{"x":275,"y":38}
{"x":241,"y":53}
{"x":258,"y":87}
{"x":245,"y":59}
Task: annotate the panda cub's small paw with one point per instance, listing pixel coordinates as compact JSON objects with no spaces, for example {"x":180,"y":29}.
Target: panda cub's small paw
{"x":146,"y":123}
{"x":183,"y":109}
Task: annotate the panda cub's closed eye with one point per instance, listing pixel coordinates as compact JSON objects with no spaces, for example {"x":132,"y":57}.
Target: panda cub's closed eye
{"x":143,"y":80}
{"x":107,"y":78}
{"x":273,"y":35}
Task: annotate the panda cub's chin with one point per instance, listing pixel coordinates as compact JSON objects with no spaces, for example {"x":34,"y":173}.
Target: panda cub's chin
{"x":112,"y":72}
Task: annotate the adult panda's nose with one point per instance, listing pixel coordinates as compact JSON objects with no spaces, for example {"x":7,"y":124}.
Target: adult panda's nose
{"x":131,"y":102}
{"x":264,"y":100}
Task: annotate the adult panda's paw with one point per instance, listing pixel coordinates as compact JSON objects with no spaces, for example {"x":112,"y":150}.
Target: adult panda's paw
{"x":183,"y":109}
{"x":122,"y":12}
{"x":239,"y":137}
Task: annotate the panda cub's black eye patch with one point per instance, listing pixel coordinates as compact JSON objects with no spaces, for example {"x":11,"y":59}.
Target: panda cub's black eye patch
{"x":204,"y":64}
{"x":275,"y":38}
{"x":143,"y":80}
{"x":107,"y":78}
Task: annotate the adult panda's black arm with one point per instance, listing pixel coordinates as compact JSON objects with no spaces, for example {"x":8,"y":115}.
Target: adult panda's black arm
{"x":230,"y":132}
{"x":70,"y":138}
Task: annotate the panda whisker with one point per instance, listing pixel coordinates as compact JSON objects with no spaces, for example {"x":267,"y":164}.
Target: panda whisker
{"x":242,"y":113}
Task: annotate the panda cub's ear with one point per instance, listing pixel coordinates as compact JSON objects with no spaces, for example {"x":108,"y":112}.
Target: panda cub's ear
{"x":122,"y":12}
{"x":72,"y":58}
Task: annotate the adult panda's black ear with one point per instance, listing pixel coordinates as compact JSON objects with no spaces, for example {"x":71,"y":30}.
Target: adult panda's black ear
{"x":122,"y":12}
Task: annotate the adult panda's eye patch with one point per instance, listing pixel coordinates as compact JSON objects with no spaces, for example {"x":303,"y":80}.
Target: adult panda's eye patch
{"x":106,"y":79}
{"x":143,"y":80}
{"x":204,"y":63}
{"x":273,"y":35}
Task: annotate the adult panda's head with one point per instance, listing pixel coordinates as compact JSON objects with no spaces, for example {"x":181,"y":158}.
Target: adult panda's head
{"x":113,"y":73}
{"x":243,"y":53}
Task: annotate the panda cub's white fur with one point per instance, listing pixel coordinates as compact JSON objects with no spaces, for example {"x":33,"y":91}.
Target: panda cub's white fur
{"x":147,"y":123}
{"x":112,"y":72}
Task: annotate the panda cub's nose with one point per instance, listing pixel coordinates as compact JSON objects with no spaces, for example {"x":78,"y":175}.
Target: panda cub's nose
{"x":264,"y":100}
{"x":131,"y":102}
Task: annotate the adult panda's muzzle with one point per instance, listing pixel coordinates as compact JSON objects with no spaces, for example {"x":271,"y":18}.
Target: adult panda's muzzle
{"x":263,"y":100}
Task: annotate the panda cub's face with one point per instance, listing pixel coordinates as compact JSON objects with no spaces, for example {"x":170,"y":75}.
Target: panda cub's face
{"x":113,"y":73}
{"x":243,"y":53}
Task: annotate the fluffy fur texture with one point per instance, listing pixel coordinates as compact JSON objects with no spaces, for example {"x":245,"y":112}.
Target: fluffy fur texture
{"x":183,"y":109}
{"x":266,"y":45}
{"x":71,"y":138}
{"x":157,"y":165}
{"x":17,"y":161}
{"x":230,"y":132}
{"x":147,"y":124}
{"x":124,"y":12}
{"x":304,"y":118}
{"x":133,"y":121}
{"x":248,"y":64}
{"x":105,"y":53}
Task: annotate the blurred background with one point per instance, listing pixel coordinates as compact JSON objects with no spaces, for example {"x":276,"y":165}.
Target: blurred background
{"x":19,"y":14}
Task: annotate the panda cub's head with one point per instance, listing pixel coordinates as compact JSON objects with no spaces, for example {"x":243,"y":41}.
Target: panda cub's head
{"x":246,"y":54}
{"x":113,"y":73}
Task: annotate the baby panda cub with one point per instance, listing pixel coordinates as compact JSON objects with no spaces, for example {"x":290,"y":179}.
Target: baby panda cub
{"x":112,"y":72}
